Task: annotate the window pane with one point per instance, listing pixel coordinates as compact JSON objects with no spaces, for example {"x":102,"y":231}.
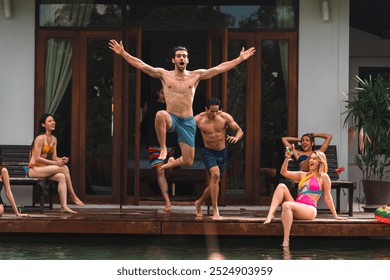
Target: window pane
{"x":84,"y":14}
{"x":131,"y":137}
{"x":99,"y":119}
{"x":236,"y":105}
{"x":175,"y":17}
{"x":58,"y":88}
{"x":271,"y":16}
{"x":274,"y":100}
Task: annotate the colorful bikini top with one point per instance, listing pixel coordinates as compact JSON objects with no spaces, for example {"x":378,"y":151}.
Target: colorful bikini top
{"x":302,"y":158}
{"x":47,"y":149}
{"x":312,"y":187}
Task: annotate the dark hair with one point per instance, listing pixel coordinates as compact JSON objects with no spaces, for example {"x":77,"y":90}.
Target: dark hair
{"x":41,"y":130}
{"x":42,"y":119}
{"x":1,"y":162}
{"x":212,"y":102}
{"x":310,"y":135}
{"x":178,"y":48}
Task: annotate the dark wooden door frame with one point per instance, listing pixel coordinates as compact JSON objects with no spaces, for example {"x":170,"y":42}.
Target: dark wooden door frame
{"x":78,"y":109}
{"x":119,"y":194}
{"x":253,"y":112}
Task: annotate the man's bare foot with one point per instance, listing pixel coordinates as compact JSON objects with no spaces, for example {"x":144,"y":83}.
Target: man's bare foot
{"x":163,"y":153}
{"x":198,"y":209}
{"x":167,"y":209}
{"x":168,"y":164}
{"x":67,"y":210}
{"x":216,"y":217}
{"x":268,"y":220}
{"x":286,"y":244}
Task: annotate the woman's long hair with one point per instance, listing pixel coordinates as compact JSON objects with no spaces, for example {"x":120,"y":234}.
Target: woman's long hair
{"x":323,"y":162}
{"x":311,"y":138}
{"x":41,"y":130}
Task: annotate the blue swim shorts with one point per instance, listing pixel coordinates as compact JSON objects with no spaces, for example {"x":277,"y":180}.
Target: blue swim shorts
{"x":213,"y":158}
{"x":185,"y":129}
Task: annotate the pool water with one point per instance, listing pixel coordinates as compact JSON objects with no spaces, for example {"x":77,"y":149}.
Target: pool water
{"x":119,"y":247}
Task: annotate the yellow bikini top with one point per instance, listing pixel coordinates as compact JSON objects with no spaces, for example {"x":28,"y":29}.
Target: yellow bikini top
{"x":47,"y":149}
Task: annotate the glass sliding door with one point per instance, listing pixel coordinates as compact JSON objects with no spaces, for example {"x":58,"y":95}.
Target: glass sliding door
{"x":99,"y":118}
{"x":276,"y":100}
{"x":132,"y":117}
{"x":262,"y":97}
{"x":237,"y":96}
{"x":79,"y":82}
{"x":100,"y":122}
{"x":57,"y":91}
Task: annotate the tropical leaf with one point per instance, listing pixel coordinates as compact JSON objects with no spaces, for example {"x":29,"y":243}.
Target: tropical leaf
{"x":368,"y":112}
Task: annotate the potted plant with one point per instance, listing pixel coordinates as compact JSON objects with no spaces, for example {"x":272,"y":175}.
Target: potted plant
{"x":368,"y":113}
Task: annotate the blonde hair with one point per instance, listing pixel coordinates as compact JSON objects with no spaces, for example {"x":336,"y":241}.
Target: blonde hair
{"x":323,"y":162}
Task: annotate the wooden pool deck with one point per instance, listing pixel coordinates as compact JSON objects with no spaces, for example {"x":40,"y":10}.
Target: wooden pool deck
{"x":151,"y":220}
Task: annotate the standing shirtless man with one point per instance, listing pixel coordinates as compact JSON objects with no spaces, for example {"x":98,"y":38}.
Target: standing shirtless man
{"x":212,"y":124}
{"x":179,"y":87}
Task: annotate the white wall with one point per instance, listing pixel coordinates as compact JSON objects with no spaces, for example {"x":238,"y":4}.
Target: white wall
{"x":17,"y":56}
{"x":17,"y":47}
{"x":323,"y":75}
{"x":323,"y":72}
{"x":370,"y":51}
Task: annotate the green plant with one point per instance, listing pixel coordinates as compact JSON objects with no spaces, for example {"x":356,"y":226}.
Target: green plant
{"x":368,"y":112}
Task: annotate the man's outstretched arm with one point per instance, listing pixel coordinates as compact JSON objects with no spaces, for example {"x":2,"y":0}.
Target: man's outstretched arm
{"x":134,"y":61}
{"x":227,"y":65}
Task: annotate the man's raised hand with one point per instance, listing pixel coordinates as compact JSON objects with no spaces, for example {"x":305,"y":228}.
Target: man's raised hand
{"x":117,"y":48}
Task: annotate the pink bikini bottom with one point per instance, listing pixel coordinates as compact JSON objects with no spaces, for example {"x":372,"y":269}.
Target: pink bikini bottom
{"x":305,"y":199}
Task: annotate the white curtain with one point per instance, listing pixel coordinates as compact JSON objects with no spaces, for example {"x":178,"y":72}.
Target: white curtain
{"x":59,"y":51}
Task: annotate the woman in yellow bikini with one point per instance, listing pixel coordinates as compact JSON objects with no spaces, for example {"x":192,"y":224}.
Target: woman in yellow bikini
{"x":311,"y":186}
{"x":44,"y":162}
{"x":307,"y":143}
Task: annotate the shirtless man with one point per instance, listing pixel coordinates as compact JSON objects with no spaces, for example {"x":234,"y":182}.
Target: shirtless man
{"x":212,"y":124}
{"x":179,"y":87}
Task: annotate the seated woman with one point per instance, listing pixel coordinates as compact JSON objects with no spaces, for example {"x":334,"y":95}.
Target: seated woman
{"x":44,"y":162}
{"x":4,"y":181}
{"x":311,"y":185}
{"x":307,"y":144}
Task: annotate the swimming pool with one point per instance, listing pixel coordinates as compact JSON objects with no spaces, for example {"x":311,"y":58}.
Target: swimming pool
{"x":119,"y":247}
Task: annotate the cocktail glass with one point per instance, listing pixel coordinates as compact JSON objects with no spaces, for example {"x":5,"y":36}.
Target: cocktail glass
{"x":26,"y":170}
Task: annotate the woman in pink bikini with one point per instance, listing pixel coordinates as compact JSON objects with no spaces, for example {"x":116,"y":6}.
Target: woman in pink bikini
{"x":311,"y":185}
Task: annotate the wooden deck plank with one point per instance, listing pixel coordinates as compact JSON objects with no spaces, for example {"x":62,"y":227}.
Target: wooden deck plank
{"x":140,"y":221}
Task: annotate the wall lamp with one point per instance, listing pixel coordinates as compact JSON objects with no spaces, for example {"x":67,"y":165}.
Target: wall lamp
{"x":7,"y":7}
{"x":325,"y":10}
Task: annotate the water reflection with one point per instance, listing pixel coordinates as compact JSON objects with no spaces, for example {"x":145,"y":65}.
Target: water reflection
{"x":38,"y":247}
{"x":286,"y":253}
